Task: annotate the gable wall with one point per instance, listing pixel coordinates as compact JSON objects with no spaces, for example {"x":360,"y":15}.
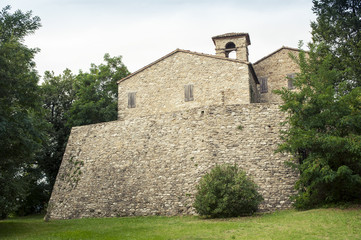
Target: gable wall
{"x":275,"y":68}
{"x":160,"y":87}
{"x":150,"y":165}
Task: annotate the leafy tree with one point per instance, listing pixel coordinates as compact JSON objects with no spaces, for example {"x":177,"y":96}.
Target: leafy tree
{"x":36,"y":188}
{"x":71,"y":100}
{"x":97,"y":93}
{"x":21,"y":127}
{"x":58,"y":96}
{"x":337,"y":28}
{"x":31,"y":150}
{"x":226,"y":192}
{"x":325,"y":109}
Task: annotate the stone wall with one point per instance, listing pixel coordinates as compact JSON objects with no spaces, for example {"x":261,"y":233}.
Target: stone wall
{"x":275,"y":67}
{"x":150,"y":165}
{"x":159,"y":87}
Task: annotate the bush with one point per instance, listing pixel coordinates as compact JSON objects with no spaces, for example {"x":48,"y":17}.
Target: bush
{"x":226,"y":192}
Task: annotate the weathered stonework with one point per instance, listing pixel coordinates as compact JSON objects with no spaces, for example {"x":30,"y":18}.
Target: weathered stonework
{"x":240,"y":41}
{"x":275,"y":67}
{"x":150,"y":165}
{"x":177,"y":118}
{"x":159,"y":87}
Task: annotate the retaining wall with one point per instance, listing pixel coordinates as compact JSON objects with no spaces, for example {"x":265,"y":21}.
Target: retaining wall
{"x":150,"y":165}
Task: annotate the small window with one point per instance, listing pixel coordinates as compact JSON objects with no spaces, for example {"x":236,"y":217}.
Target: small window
{"x":264,"y":87}
{"x":188,"y":93}
{"x":290,"y":79}
{"x":131,"y":100}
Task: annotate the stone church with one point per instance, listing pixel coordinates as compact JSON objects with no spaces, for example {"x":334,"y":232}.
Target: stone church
{"x":178,"y":117}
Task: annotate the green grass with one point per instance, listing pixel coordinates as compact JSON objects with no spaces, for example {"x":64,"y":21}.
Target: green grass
{"x":313,"y":224}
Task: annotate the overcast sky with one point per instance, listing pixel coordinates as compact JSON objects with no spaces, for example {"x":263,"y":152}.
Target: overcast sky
{"x":76,"y":33}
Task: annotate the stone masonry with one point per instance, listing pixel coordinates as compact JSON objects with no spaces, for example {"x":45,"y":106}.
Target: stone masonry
{"x":159,"y":87}
{"x":150,"y":165}
{"x":275,"y":68}
{"x":226,"y":43}
{"x":177,"y":118}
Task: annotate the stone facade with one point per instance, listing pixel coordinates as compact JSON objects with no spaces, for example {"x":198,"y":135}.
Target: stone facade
{"x":150,"y":165}
{"x":159,"y":87}
{"x":178,"y":117}
{"x":275,"y":68}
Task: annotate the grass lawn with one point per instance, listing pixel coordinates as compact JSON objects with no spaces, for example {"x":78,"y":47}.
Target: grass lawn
{"x":291,"y":224}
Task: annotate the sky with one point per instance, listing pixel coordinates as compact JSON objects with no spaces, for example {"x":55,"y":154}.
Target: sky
{"x":76,"y":33}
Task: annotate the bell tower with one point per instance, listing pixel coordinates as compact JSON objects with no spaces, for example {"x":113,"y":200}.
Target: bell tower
{"x":229,"y":42}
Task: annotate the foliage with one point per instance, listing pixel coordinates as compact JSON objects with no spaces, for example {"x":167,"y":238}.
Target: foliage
{"x":21,"y":126}
{"x":338,"y":27}
{"x":325,"y":109}
{"x":226,"y":192}
{"x":71,"y":100}
{"x":97,"y":93}
{"x":35,"y":121}
{"x":37,"y":193}
{"x":58,"y":96}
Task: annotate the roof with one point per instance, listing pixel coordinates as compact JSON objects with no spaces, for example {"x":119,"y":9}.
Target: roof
{"x":269,"y":55}
{"x":230,"y":35}
{"x":184,"y":51}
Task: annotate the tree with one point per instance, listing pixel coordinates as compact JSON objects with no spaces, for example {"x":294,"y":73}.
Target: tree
{"x":337,"y":28}
{"x":324,"y":131}
{"x":58,"y":96}
{"x":226,"y":192}
{"x":71,"y":100}
{"x":97,"y":93}
{"x":21,"y":127}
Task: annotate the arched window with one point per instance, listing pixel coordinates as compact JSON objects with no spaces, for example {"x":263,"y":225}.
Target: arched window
{"x":230,"y":50}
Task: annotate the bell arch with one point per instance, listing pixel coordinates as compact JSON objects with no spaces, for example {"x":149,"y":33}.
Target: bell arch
{"x":230,"y":50}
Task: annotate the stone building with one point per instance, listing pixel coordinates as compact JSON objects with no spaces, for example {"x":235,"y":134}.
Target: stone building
{"x":177,"y":118}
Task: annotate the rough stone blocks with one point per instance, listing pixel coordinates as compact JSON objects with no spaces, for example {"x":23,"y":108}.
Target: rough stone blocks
{"x":150,"y":165}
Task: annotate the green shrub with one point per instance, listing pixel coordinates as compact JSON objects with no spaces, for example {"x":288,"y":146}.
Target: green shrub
{"x":226,"y":192}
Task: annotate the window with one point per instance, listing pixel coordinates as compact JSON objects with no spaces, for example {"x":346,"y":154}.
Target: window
{"x":264,"y":87}
{"x":131,"y":100}
{"x":230,"y":50}
{"x":188,"y":93}
{"x":290,"y":78}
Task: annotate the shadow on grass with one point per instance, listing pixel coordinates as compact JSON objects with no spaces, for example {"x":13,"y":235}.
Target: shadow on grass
{"x":22,"y":225}
{"x":8,"y":229}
